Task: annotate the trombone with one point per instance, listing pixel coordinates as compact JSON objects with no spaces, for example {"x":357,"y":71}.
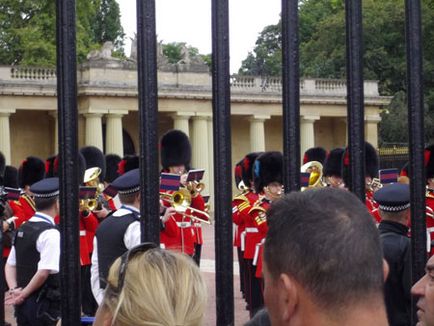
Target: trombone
{"x":181,"y":201}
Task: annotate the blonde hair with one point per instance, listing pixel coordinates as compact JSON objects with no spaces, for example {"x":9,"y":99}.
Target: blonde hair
{"x":160,"y":288}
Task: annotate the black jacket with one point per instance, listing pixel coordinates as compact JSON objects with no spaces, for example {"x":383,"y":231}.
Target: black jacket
{"x":397,"y":252}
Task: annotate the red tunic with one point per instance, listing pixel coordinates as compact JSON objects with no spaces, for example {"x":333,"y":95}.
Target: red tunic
{"x":430,"y":221}
{"x":252,"y":235}
{"x":171,"y":233}
{"x":198,"y":203}
{"x":239,"y":203}
{"x":186,"y":239}
{"x":19,"y":218}
{"x":260,"y":220}
{"x":28,"y":206}
{"x":88,"y":226}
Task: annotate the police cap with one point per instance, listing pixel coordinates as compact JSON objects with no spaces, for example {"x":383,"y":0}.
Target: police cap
{"x":127,"y":183}
{"x":394,"y":197}
{"x":46,"y":188}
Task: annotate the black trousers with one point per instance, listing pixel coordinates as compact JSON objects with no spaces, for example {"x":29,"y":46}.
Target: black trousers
{"x":88,"y":303}
{"x":197,"y":253}
{"x":28,"y":313}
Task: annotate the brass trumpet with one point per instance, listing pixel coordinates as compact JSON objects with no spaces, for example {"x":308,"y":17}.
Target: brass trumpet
{"x":195,"y":187}
{"x":181,"y":201}
{"x":91,"y":179}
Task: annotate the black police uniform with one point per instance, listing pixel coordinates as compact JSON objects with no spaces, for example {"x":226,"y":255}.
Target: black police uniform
{"x":397,"y":252}
{"x":42,"y":307}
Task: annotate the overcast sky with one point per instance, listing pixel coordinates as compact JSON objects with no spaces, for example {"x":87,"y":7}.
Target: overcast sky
{"x":190,"y":21}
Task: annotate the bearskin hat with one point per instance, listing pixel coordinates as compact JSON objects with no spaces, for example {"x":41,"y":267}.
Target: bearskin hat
{"x":94,"y":158}
{"x":318,"y":154}
{"x":429,"y":161}
{"x":247,"y":168}
{"x":49,"y":166}
{"x":31,"y":170}
{"x":238,"y":173}
{"x":111,"y":163}
{"x":128,"y":163}
{"x":268,"y":168}
{"x":81,"y":167}
{"x":371,"y":163}
{"x":2,"y":164}
{"x":11,"y":177}
{"x":333,"y":163}
{"x":175,"y":149}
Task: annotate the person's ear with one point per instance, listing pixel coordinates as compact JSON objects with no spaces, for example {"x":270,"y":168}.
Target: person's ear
{"x":288,"y":296}
{"x":385,"y":270}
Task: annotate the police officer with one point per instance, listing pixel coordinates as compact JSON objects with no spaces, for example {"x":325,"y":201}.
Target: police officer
{"x":119,"y":231}
{"x":32,"y":267}
{"x":394,"y":208}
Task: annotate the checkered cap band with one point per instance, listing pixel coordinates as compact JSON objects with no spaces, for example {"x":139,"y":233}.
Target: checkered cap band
{"x":387,"y":208}
{"x":49,"y":195}
{"x":129,"y":191}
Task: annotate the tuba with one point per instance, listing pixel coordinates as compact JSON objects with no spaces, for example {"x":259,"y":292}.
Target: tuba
{"x":315,"y":169}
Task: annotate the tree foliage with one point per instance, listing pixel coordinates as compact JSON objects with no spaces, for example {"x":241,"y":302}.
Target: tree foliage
{"x":28,"y":30}
{"x":322,"y":53}
{"x":173,"y":52}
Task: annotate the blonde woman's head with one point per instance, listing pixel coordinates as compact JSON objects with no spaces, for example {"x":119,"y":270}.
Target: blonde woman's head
{"x":160,"y":288}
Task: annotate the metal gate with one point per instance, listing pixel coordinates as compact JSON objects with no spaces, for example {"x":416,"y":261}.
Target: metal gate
{"x":148,"y":108}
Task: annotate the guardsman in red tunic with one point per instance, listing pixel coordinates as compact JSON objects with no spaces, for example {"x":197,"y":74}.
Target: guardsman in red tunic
{"x":371,"y":172}
{"x":332,"y":170}
{"x":16,"y":214}
{"x":241,"y":205}
{"x":267,"y":172}
{"x":175,"y":158}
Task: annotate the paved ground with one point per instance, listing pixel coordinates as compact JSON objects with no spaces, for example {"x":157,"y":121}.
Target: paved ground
{"x":207,"y":267}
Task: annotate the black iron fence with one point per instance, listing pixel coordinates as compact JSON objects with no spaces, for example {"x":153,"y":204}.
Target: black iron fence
{"x":148,"y":108}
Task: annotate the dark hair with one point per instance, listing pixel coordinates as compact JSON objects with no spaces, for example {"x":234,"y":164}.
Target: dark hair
{"x":42,"y":204}
{"x":128,"y":198}
{"x":327,"y":241}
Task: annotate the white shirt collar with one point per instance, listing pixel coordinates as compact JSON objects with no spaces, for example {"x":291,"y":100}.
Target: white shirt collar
{"x":37,"y":218}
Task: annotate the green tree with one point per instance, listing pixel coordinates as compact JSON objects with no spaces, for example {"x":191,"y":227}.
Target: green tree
{"x":107,"y":26}
{"x":173,"y":52}
{"x":28,"y":31}
{"x":322,"y":52}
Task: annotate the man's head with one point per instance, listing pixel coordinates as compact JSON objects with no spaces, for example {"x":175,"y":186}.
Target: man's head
{"x":322,"y":248}
{"x":424,"y":291}
{"x":128,"y":187}
{"x":46,"y":195}
{"x":394,"y":202}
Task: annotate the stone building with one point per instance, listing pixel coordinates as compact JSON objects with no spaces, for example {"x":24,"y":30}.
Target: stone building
{"x":108,"y":109}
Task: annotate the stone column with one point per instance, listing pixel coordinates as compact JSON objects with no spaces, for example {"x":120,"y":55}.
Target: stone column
{"x":307,"y":133}
{"x":5,"y":135}
{"x":181,"y":122}
{"x":93,"y":135}
{"x":55,"y":149}
{"x":199,"y":143}
{"x":371,"y":129}
{"x":210,"y":186}
{"x":257,"y":133}
{"x":114,"y":138}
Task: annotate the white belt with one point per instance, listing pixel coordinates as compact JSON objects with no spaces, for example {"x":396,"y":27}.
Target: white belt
{"x":162,"y":246}
{"x":431,"y":229}
{"x":183,"y":225}
{"x":82,"y":233}
{"x":256,"y":255}
{"x":252,"y":230}
{"x":243,"y":240}
{"x":198,"y":224}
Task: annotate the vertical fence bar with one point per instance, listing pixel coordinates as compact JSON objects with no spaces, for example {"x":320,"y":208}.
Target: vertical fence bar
{"x":416,"y":133}
{"x":222,"y":162}
{"x":148,"y":119}
{"x":2,"y":283}
{"x":68,"y":153}
{"x":355,"y":106}
{"x":291,"y":95}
